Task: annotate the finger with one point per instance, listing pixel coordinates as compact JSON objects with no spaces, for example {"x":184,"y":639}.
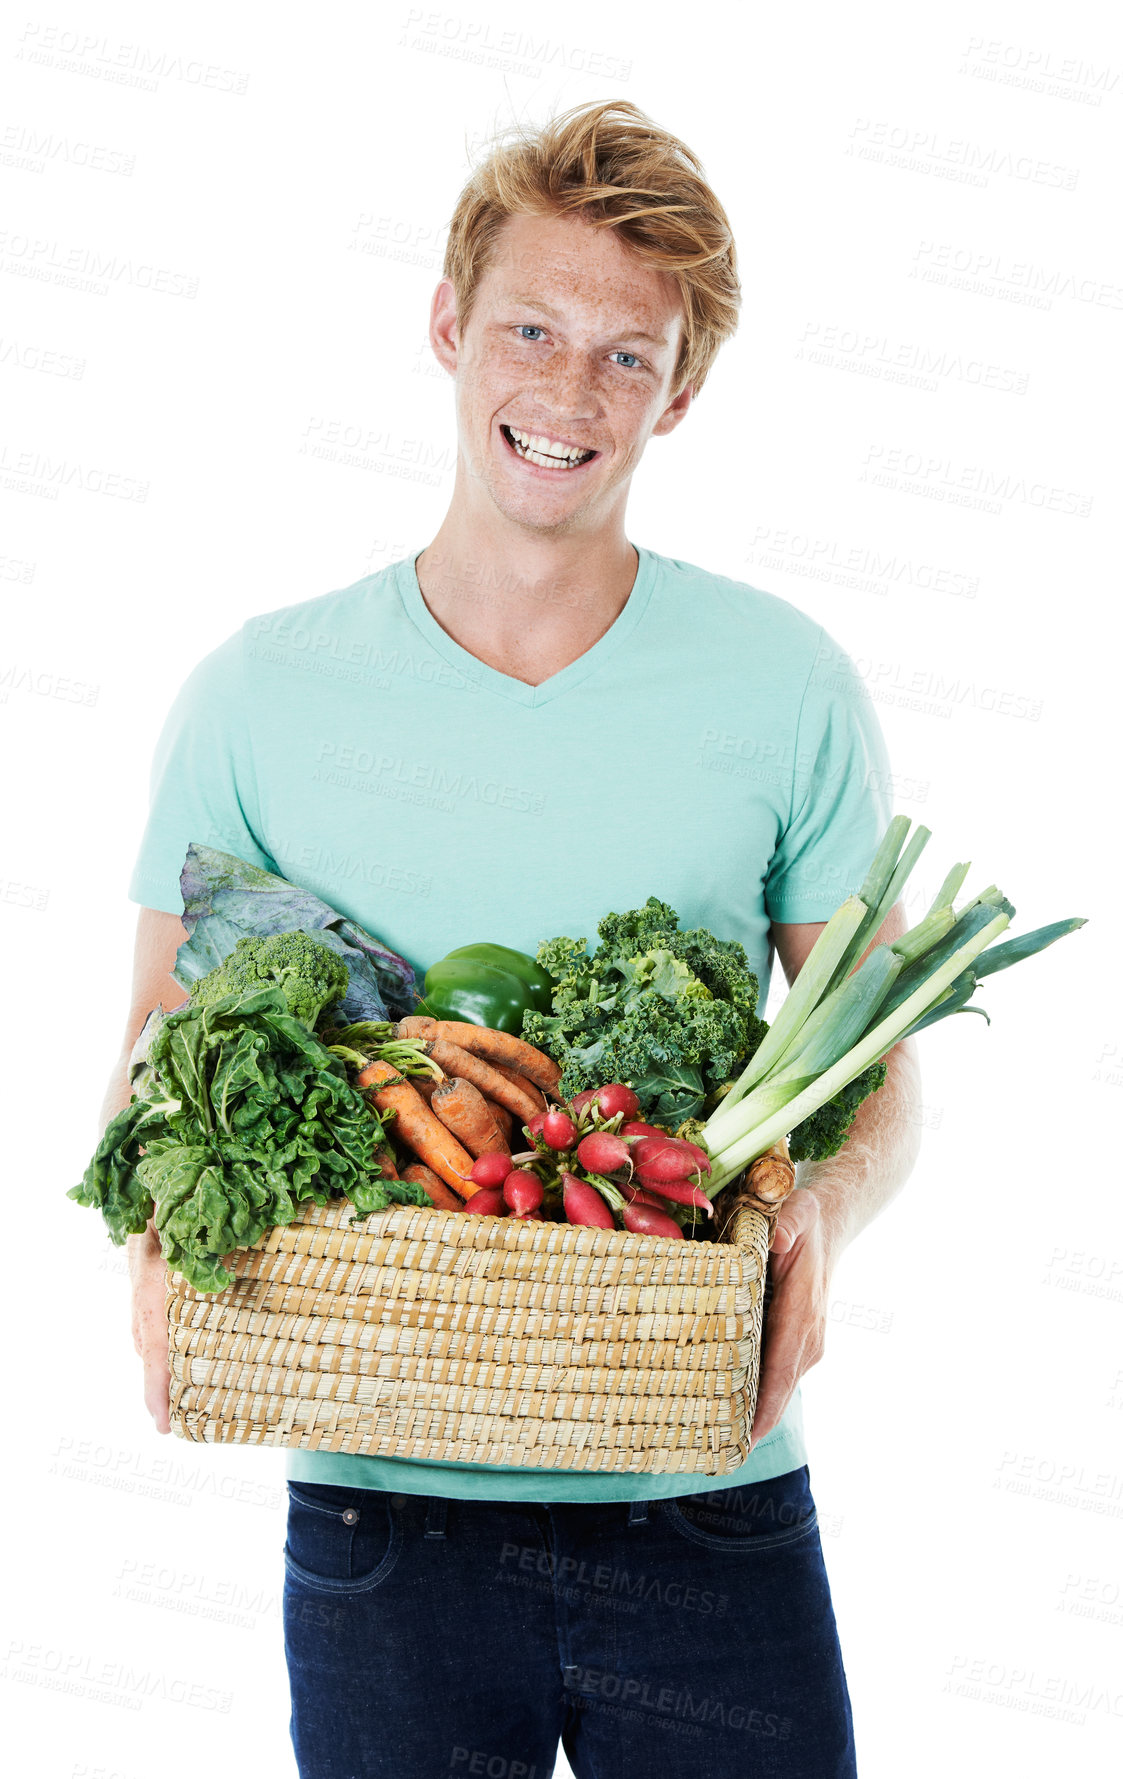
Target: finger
{"x":782,"y":1238}
{"x":790,"y":1330}
{"x":157,"y":1391}
{"x":773,"y":1395}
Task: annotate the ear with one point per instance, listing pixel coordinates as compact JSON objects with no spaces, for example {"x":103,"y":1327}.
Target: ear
{"x":674,"y":413}
{"x":443,"y":329}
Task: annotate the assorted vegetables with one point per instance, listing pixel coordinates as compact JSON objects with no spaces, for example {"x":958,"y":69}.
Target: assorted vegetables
{"x":674,"y":1014}
{"x":304,"y":1064}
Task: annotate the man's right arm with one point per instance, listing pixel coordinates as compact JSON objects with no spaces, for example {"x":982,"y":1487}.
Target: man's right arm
{"x":158,"y":938}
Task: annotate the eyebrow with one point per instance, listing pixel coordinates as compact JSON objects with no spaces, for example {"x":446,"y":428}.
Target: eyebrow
{"x":545,"y":309}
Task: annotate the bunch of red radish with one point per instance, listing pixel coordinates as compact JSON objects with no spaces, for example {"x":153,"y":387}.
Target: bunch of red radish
{"x":597,"y":1162}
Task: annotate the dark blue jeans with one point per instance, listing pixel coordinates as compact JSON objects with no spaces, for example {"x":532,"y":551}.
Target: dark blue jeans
{"x":693,"y":1637}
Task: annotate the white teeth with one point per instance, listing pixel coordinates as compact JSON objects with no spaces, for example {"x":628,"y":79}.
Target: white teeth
{"x":549,"y":451}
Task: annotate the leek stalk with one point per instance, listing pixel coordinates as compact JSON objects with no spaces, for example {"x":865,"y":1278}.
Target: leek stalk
{"x":842,"y":1015}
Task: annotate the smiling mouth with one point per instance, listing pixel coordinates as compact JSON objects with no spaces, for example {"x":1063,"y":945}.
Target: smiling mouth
{"x":544,"y":459}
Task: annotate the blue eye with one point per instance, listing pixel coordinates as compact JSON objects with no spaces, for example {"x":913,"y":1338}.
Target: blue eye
{"x":532,"y":327}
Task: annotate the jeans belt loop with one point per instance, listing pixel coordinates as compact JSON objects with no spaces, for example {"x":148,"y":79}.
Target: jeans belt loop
{"x":637,"y":1513}
{"x":436,"y":1516}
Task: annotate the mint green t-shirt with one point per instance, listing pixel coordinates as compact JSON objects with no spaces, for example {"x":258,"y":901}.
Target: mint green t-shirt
{"x":715,"y":748}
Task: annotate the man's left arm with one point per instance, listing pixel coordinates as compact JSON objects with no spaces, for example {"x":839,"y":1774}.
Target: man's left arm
{"x":833,"y":1200}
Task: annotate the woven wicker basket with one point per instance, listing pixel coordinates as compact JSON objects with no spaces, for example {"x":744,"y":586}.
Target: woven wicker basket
{"x":419,"y":1334}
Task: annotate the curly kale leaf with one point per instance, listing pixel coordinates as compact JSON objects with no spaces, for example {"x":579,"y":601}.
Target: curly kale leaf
{"x":823,"y":1133}
{"x":672,"y":1013}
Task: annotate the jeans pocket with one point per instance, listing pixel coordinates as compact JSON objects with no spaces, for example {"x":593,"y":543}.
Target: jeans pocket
{"x":340,"y":1541}
{"x":756,"y":1517}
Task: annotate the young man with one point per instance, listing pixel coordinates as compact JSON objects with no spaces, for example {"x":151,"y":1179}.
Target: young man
{"x":506,"y":734}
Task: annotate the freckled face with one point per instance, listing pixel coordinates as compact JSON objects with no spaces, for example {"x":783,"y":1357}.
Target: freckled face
{"x":571,"y":342}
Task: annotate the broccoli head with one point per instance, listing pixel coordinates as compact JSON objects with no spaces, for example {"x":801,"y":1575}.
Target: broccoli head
{"x":309,"y":974}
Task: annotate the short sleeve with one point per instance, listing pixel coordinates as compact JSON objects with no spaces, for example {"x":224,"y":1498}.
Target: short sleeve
{"x":203,"y":783}
{"x":841,"y":794}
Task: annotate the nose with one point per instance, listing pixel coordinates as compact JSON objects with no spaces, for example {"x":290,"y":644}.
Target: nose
{"x":568,"y":379}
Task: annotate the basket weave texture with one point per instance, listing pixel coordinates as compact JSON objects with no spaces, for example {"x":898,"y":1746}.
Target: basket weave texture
{"x":415,"y":1333}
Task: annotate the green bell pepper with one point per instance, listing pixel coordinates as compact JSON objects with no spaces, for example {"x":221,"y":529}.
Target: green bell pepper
{"x":487,"y":985}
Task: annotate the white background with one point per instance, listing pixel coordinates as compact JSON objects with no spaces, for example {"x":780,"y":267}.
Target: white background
{"x":964,"y":1427}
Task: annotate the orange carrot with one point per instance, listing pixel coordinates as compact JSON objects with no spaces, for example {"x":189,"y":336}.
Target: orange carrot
{"x":541,"y":1103}
{"x":482,"y":1040}
{"x":443,"y":1199}
{"x":419,"y":1128}
{"x":456,"y":1061}
{"x":384,"y":1156}
{"x":463,"y":1108}
{"x":502,"y":1118}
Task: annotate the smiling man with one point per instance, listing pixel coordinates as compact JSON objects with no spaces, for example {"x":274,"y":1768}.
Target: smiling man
{"x":507,"y":733}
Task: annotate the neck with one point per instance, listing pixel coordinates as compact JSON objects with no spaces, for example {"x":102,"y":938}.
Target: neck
{"x":525,"y":605}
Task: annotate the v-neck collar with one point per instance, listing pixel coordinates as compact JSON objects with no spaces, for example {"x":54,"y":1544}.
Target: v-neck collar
{"x":504,"y":684}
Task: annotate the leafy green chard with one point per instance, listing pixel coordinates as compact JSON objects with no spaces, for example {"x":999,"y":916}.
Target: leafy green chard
{"x":246,"y":1116}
